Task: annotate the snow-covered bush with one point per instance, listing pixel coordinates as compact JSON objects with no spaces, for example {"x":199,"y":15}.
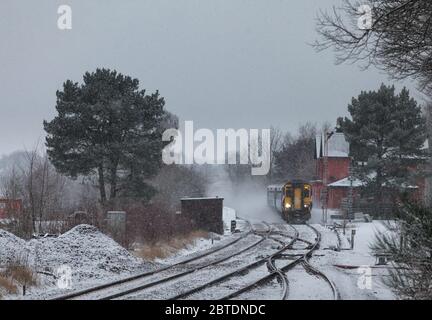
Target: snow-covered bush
{"x":409,"y":245}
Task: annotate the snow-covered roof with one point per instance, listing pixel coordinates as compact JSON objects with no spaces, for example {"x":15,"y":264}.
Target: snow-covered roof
{"x":345,"y":182}
{"x":338,"y":146}
{"x":426,"y":145}
{"x":201,"y":198}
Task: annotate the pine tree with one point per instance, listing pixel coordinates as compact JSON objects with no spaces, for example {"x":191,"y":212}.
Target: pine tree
{"x":408,"y":244}
{"x":109,"y":128}
{"x":388,"y":131}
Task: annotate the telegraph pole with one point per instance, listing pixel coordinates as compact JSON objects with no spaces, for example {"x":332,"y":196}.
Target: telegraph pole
{"x":325,"y":195}
{"x":349,"y":211}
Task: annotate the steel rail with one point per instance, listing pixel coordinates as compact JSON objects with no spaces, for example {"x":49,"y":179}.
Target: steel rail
{"x":314,"y":270}
{"x":156,"y":271}
{"x":238,"y":271}
{"x":263,"y":234}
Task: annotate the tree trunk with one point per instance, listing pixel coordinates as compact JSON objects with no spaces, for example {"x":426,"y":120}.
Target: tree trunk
{"x":42,"y":192}
{"x":113,"y":181}
{"x":30,"y":193}
{"x":428,"y":182}
{"x":102,"y":185}
{"x":378,"y":194}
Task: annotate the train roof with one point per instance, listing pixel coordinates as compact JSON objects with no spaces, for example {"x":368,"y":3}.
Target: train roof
{"x":276,"y":187}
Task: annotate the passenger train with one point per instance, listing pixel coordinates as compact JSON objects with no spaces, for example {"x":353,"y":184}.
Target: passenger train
{"x":293,"y":200}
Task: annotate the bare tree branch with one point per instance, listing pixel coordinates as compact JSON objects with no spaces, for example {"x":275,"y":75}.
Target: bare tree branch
{"x":399,"y":40}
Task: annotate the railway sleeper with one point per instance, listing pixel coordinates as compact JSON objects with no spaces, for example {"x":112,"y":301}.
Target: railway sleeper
{"x":289,"y":256}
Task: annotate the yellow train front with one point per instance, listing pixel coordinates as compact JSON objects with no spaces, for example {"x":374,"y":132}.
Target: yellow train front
{"x":293,"y":200}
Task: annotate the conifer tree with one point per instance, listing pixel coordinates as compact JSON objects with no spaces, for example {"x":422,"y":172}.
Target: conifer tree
{"x":109,"y":128}
{"x":388,"y":131}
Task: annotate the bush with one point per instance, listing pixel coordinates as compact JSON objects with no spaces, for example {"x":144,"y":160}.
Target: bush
{"x":8,"y":285}
{"x":16,"y":274}
{"x":150,"y":223}
{"x":409,"y":245}
{"x":21,"y":274}
{"x":165,"y":248}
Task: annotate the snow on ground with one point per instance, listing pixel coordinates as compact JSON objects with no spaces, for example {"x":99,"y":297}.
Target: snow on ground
{"x":304,"y":286}
{"x":91,"y":256}
{"x":365,"y":233}
{"x":89,"y":253}
{"x":228,"y":215}
{"x":12,"y":248}
{"x":362,"y":279}
{"x":95,"y":258}
{"x":348,"y":281}
{"x":317,"y":215}
{"x":198,"y":245}
{"x":203,"y":244}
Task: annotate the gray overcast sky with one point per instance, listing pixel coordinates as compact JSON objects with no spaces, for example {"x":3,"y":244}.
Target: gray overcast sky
{"x":225,"y":63}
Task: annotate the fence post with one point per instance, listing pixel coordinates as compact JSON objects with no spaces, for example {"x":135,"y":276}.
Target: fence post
{"x":353,"y":232}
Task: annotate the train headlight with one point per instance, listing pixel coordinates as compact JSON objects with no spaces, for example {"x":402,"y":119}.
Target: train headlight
{"x":306,"y":206}
{"x":287,"y":205}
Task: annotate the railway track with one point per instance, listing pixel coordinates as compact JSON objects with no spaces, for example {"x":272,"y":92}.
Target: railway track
{"x":105,"y":291}
{"x":243,"y":270}
{"x":315,"y":271}
{"x":131,"y":286}
{"x":280,"y":273}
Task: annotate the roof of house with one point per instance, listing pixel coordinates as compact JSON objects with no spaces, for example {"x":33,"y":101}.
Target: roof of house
{"x":345,"y":183}
{"x":338,"y":146}
{"x":201,"y":198}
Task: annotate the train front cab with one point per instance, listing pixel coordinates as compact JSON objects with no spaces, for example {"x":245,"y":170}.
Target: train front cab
{"x":297,"y":202}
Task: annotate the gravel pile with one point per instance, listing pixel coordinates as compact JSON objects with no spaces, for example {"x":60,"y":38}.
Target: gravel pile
{"x":12,"y":248}
{"x":89,"y":254}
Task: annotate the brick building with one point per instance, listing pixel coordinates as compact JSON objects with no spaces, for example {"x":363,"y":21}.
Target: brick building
{"x":8,"y":206}
{"x":338,"y":162}
{"x":338,"y":181}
